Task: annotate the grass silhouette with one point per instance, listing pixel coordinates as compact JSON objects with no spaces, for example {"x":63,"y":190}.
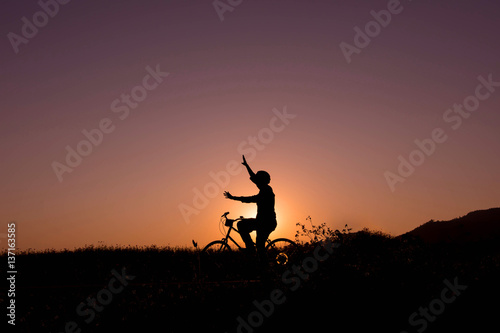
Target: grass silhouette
{"x":372,"y":281}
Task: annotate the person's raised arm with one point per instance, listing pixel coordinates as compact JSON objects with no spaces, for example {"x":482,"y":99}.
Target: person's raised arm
{"x":250,"y":172}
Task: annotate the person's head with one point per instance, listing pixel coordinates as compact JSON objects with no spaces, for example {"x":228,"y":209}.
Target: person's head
{"x":262,"y":177}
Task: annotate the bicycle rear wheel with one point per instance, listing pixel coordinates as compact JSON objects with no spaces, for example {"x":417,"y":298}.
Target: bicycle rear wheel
{"x":281,"y":251}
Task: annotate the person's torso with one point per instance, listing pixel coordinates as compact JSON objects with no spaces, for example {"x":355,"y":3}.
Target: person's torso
{"x":265,"y":203}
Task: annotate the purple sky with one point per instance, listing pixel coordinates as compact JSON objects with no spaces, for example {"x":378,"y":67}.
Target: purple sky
{"x":353,"y":120}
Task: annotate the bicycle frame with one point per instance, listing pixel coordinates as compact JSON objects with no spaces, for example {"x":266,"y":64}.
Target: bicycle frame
{"x":231,"y":238}
{"x":281,"y":256}
{"x":230,"y":227}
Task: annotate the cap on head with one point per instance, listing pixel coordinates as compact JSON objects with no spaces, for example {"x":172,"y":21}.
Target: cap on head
{"x":262,"y":177}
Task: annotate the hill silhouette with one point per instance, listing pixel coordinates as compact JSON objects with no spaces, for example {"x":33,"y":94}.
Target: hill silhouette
{"x":480,"y":225}
{"x":370,"y":282}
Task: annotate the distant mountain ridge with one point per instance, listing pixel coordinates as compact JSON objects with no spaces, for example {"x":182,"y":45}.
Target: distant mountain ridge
{"x":479,"y":225}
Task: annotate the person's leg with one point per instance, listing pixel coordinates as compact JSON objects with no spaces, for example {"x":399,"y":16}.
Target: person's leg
{"x":262,"y":235}
{"x":265,"y":227}
{"x":245,"y":227}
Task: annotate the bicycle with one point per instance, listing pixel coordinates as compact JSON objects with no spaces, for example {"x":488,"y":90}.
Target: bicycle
{"x":279,"y":250}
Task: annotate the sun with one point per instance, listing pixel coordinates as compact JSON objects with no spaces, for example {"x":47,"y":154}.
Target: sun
{"x":285,"y":218}
{"x":248,"y":212}
{"x":286,"y":222}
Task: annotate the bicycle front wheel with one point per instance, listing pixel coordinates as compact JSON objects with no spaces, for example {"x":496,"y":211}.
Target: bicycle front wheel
{"x":213,"y":259}
{"x":216,"y":247}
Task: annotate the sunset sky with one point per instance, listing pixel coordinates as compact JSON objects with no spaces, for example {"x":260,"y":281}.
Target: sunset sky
{"x":270,"y":80}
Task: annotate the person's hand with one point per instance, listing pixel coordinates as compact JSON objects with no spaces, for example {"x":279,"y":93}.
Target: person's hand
{"x":228,"y":195}
{"x":244,"y":161}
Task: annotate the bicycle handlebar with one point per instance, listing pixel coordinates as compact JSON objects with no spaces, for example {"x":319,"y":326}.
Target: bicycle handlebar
{"x":234,"y":220}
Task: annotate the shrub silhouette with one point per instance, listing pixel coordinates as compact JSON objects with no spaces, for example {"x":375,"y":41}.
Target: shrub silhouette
{"x":373,"y":281}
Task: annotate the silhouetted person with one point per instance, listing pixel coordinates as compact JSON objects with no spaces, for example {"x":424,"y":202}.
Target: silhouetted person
{"x":265,"y":222}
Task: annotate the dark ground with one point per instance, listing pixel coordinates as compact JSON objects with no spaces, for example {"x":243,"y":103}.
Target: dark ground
{"x":372,"y":282}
